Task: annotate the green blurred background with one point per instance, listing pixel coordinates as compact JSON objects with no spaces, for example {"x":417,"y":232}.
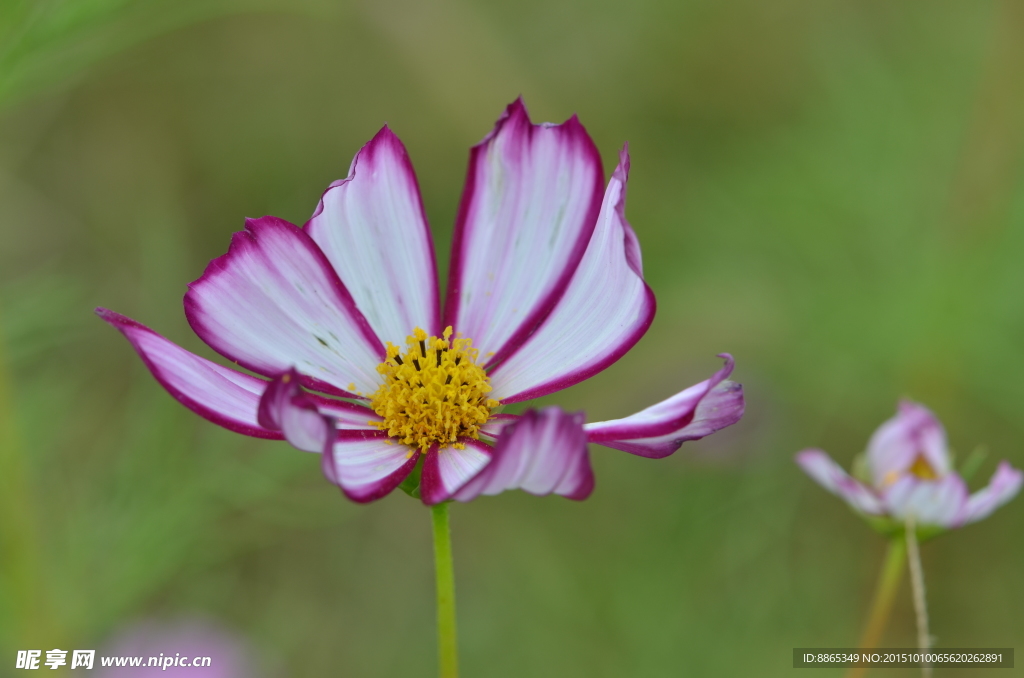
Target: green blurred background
{"x":829,"y":189}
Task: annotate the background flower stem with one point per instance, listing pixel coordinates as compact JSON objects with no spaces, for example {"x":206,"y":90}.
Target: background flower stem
{"x":917,"y":586}
{"x":885,"y":593}
{"x":447,"y":644}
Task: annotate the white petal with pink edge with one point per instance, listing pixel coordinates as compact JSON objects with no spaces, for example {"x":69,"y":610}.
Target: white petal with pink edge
{"x":833,"y":478}
{"x":914,"y":432}
{"x":1003,"y":486}
{"x":219,"y":394}
{"x":940,"y":503}
{"x":273,"y":302}
{"x":543,"y":452}
{"x":529,"y":206}
{"x":662,"y":428}
{"x":447,"y":469}
{"x":372,"y":228}
{"x":603,"y":313}
{"x":287,"y":408}
{"x":345,"y":415}
{"x":497,"y":423}
{"x":367,"y":465}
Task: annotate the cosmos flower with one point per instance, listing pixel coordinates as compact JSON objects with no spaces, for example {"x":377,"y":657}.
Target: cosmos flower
{"x":909,"y":472}
{"x":343,"y":319}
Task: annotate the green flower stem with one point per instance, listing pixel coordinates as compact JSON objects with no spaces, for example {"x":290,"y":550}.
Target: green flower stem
{"x":447,"y":644}
{"x":885,"y":593}
{"x":917,"y":585}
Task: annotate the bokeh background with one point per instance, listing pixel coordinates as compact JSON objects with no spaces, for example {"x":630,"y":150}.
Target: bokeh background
{"x":830,"y":190}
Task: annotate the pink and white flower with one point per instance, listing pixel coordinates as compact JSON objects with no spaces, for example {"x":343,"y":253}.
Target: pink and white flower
{"x":909,"y":473}
{"x":546,"y":289}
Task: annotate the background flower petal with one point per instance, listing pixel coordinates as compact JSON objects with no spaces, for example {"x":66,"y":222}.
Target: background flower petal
{"x":941,"y":502}
{"x":830,"y":475}
{"x":529,"y":206}
{"x":1003,"y":486}
{"x":542,"y":452}
{"x":447,"y":469}
{"x":605,"y":310}
{"x":373,"y":230}
{"x":367,"y":465}
{"x":274,"y":301}
{"x":898,"y":442}
{"x":659,"y":430}
{"x":219,"y":394}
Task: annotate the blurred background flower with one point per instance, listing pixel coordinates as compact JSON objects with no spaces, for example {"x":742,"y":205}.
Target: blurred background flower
{"x":907,"y":473}
{"x":829,"y":190}
{"x":230,"y":657}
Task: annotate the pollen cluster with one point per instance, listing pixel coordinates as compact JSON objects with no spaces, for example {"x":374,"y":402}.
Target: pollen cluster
{"x":434,"y":393}
{"x":920,"y":468}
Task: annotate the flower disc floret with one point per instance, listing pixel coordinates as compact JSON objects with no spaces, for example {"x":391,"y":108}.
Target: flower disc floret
{"x":434,"y":393}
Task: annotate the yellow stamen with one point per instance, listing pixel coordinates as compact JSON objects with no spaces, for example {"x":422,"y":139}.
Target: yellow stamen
{"x":434,"y":393}
{"x":922,"y":469}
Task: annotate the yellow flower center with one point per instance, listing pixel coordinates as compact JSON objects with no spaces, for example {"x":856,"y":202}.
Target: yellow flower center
{"x":434,"y":393}
{"x":922,"y":469}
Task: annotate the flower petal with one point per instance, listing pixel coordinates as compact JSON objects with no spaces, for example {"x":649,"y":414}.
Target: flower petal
{"x":659,"y":430}
{"x":496,"y":424}
{"x":603,"y":313}
{"x":941,"y":502}
{"x":833,"y":478}
{"x":216,"y":393}
{"x":542,"y":452}
{"x":345,"y":415}
{"x":447,"y":469}
{"x":367,"y":465}
{"x":372,"y":228}
{"x":287,"y":408}
{"x":1005,"y":484}
{"x":273,"y":301}
{"x":529,"y":206}
{"x":914,"y":432}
